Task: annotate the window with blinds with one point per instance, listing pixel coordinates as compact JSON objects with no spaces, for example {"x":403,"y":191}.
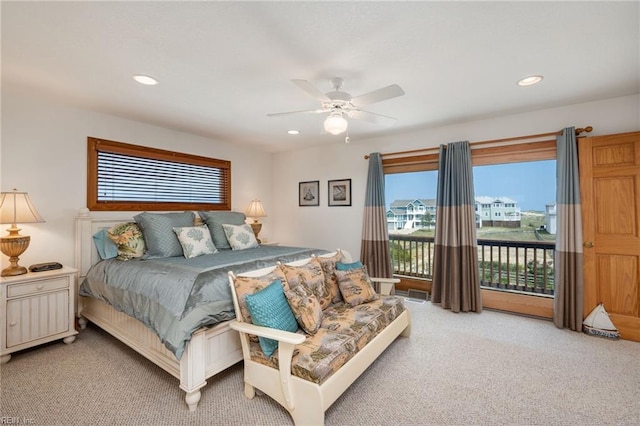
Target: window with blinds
{"x":130,"y":177}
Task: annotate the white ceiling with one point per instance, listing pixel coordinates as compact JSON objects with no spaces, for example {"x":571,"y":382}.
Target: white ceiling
{"x":223,"y":66}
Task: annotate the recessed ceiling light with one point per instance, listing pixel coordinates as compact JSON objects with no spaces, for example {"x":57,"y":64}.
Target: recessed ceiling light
{"x":145,"y":79}
{"x":528,"y":81}
{"x":294,"y":132}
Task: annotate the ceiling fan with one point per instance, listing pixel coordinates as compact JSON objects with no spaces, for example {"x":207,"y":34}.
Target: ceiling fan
{"x":340,"y":105}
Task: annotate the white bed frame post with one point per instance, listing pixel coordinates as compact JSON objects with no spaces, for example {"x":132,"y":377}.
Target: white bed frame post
{"x":83,"y":250}
{"x":192,"y":370}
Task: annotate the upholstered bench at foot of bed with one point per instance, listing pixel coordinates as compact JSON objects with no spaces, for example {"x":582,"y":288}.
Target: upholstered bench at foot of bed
{"x":344,"y":331}
{"x":342,"y":327}
{"x":305,"y":399}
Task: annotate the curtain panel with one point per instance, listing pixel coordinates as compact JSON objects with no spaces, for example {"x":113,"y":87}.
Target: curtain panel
{"x":374,"y":249}
{"x":569,"y":285}
{"x":456,"y":281}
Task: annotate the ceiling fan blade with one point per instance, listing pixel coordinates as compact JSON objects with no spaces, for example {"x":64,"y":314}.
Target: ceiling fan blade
{"x":372,"y":117}
{"x":311,"y":90}
{"x":308,"y":111}
{"x":383,"y":94}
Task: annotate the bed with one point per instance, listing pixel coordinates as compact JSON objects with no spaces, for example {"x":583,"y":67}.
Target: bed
{"x":210,"y":346}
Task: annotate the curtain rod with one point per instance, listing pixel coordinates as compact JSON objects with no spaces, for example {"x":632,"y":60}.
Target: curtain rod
{"x":516,"y":138}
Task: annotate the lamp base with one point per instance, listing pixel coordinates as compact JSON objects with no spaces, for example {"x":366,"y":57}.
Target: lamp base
{"x":256,"y":226}
{"x":12,"y":271}
{"x":13,"y":246}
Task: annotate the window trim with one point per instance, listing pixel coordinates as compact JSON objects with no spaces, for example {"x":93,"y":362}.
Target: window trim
{"x":498,"y":154}
{"x":95,"y":145}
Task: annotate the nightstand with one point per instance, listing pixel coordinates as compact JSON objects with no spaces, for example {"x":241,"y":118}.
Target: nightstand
{"x":37,"y":307}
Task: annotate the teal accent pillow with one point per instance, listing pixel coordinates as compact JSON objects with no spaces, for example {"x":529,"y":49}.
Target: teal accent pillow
{"x":107,"y":249}
{"x":157,"y":229}
{"x":347,"y":266}
{"x":215,"y":220}
{"x":269,"y":308}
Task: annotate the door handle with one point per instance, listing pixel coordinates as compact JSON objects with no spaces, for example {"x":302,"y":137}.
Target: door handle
{"x":588,"y":244}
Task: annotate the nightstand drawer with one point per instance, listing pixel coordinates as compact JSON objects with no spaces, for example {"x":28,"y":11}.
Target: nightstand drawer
{"x":17,"y":290}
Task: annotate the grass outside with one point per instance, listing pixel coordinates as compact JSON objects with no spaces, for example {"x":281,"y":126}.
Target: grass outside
{"x":529,"y":230}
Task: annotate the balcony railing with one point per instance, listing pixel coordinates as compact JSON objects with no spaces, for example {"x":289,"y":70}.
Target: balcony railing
{"x":525,"y":266}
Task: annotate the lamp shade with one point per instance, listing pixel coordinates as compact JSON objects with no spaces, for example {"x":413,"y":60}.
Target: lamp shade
{"x":255,"y":209}
{"x":16,"y":207}
{"x":335,"y":123}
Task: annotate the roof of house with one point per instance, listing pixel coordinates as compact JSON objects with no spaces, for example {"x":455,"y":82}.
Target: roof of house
{"x":427,"y":202}
{"x":490,"y":200}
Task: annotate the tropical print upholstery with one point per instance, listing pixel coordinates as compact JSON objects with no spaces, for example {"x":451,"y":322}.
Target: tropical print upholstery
{"x":306,"y":308}
{"x":364,"y":321}
{"x":317,"y":358}
{"x":328,"y":265}
{"x":309,"y":276}
{"x":355,"y":286}
{"x":343,"y":332}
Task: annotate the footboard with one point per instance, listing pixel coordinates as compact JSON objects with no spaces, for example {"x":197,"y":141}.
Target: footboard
{"x":210,"y":350}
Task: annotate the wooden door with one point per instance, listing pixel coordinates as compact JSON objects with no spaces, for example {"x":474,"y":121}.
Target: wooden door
{"x":610,"y":189}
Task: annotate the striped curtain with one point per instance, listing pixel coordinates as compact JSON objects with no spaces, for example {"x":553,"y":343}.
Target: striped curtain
{"x":374,"y":250}
{"x":456,"y":281}
{"x":569,"y":284}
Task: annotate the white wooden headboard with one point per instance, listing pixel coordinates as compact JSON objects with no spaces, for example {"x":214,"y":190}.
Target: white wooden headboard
{"x":86,"y":253}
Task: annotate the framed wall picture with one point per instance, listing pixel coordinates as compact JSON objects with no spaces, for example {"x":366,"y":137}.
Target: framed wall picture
{"x":309,"y":193}
{"x":340,"y":192}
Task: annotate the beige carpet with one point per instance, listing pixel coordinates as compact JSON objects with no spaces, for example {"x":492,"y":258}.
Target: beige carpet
{"x":490,"y":368}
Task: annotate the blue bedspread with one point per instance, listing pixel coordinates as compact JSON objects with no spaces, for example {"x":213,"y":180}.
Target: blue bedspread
{"x":176,"y":296}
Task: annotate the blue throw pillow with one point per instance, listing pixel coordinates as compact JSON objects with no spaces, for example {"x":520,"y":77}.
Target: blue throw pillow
{"x":348,"y":266}
{"x":269,"y":308}
{"x":107,"y":249}
{"x":157,"y":229}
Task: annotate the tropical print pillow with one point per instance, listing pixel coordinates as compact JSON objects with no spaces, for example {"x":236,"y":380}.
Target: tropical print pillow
{"x":309,"y":276}
{"x":355,"y":286}
{"x":128,"y":238}
{"x":328,"y":265}
{"x":306,"y":308}
{"x":240,"y":237}
{"x":195,"y":241}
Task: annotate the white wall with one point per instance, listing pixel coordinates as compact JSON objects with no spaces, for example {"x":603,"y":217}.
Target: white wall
{"x":43,"y":152}
{"x":341,"y":227}
{"x":44,"y":144}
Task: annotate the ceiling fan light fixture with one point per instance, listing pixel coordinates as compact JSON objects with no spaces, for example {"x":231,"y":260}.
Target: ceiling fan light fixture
{"x":335,"y":123}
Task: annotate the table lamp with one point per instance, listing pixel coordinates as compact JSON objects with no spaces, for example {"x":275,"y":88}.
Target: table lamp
{"x":16,"y":207}
{"x":255,"y":210}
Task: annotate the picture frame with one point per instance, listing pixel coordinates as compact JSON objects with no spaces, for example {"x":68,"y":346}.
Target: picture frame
{"x":339,"y":192}
{"x":309,"y":193}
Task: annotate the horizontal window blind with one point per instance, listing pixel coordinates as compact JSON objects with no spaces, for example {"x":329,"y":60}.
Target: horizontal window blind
{"x":129,"y":177}
{"x":126,"y":178}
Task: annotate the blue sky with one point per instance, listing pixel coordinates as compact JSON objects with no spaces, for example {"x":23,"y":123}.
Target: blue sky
{"x":531,"y":184}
